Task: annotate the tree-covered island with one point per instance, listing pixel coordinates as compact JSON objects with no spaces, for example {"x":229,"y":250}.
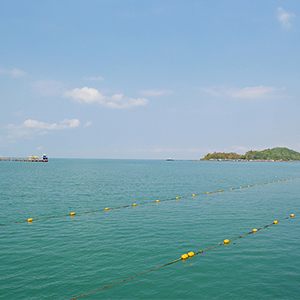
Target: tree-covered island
{"x":274,"y":154}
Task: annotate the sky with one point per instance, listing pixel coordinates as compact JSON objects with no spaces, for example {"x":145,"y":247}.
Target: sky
{"x":136,"y":79}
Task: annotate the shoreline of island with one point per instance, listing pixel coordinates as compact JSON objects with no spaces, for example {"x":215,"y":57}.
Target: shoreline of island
{"x":277,"y":154}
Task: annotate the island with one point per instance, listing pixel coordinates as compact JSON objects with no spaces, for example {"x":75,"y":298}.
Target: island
{"x":274,"y":154}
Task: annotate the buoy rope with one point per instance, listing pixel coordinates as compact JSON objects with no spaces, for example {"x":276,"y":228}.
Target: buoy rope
{"x":136,"y":204}
{"x":188,"y":256}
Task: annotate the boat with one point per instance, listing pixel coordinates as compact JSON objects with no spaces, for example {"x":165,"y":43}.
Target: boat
{"x":45,"y":158}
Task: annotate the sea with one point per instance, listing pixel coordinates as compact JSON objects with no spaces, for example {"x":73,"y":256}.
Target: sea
{"x":59,"y":256}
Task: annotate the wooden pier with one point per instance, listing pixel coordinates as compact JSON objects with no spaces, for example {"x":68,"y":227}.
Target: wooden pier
{"x":21,"y":159}
{"x":33,"y":158}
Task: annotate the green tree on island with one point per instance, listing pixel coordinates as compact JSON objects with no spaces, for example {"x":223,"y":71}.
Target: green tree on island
{"x":276,"y":154}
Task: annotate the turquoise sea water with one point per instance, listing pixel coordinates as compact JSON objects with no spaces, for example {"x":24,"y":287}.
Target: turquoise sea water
{"x":65,"y":257}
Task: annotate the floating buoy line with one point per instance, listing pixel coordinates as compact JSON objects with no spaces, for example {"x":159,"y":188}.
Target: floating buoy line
{"x":189,"y":255}
{"x":72,"y":214}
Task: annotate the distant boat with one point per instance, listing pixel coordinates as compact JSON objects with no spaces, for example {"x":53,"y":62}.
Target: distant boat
{"x":45,"y":158}
{"x":170,"y":159}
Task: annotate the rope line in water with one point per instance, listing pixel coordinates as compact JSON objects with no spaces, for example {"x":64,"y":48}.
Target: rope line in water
{"x":136,"y":204}
{"x":188,"y":256}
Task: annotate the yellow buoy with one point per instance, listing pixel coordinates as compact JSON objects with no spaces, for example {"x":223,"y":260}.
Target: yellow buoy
{"x":278,"y":180}
{"x":134,"y":204}
{"x":230,"y":189}
{"x":184,"y":256}
{"x":72,"y":214}
{"x":240,"y":187}
{"x":256,"y":184}
{"x":292,"y":215}
{"x":106,"y":208}
{"x":275,"y":222}
{"x":194,"y":195}
{"x":207,"y":193}
{"x":157,"y":200}
{"x":262,"y":183}
{"x":191,"y":254}
{"x":220,"y":191}
{"x":30,"y":220}
{"x":248,"y":185}
{"x":177,"y":198}
{"x":254,"y":230}
{"x":268,"y":182}
{"x":226,"y":242}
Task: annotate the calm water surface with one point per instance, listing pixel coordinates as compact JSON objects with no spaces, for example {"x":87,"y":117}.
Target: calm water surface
{"x":62,"y":258}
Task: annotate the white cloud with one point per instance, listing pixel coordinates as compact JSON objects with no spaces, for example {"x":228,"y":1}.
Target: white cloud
{"x":14,"y":72}
{"x":40,"y":148}
{"x":91,"y":95}
{"x":257,"y":92}
{"x":119,"y":101}
{"x":155,"y":92}
{"x":48,"y":87}
{"x":284,"y":17}
{"x":86,"y":95}
{"x":94,"y":78}
{"x":30,"y":128}
{"x":65,"y":124}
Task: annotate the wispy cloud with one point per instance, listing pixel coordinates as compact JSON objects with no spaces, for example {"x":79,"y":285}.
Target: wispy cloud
{"x":88,"y":123}
{"x":91,"y":95}
{"x":18,"y":113}
{"x":284,"y":17}
{"x":239,"y":149}
{"x":167,"y":150}
{"x":65,"y":124}
{"x":14,"y":72}
{"x":94,"y":78}
{"x":156,"y":92}
{"x":30,"y":127}
{"x":48,"y":87}
{"x":257,"y":92}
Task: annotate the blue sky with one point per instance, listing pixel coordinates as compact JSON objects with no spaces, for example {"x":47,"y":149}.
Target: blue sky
{"x":148,"y":79}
